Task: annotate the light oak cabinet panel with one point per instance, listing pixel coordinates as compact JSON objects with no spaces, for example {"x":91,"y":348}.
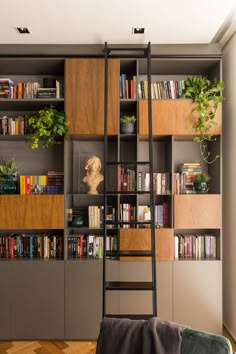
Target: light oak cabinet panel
{"x":172,"y":117}
{"x":197,"y":211}
{"x":140,"y":239}
{"x":32,"y":211}
{"x":84,"y":82}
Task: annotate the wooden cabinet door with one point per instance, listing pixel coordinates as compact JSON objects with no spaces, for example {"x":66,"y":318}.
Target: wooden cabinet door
{"x":199,"y":211}
{"x":173,"y":117}
{"x":84,"y":87}
{"x":32,"y":211}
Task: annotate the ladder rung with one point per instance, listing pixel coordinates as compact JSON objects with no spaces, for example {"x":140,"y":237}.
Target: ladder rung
{"x":130,"y":49}
{"x":131,"y":317}
{"x":129,"y":253}
{"x":128,"y":192}
{"x":130,"y":223}
{"x":129,"y":285}
{"x":128,"y":163}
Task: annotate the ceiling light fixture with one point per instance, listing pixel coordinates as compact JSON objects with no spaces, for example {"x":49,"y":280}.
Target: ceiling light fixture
{"x":138,"y":30}
{"x":22,"y":30}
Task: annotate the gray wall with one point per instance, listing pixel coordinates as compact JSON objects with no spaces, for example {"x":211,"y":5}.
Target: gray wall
{"x":229,"y":187}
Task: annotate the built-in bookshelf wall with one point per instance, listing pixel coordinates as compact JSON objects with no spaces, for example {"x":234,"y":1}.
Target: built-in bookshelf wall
{"x":75,"y":218}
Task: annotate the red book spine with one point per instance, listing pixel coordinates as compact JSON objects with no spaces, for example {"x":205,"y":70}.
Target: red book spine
{"x":27,"y":184}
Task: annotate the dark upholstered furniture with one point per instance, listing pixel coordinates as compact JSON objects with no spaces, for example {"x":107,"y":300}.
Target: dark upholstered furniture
{"x":154,"y":336}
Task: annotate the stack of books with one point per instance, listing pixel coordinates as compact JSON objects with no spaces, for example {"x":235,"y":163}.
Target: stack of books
{"x":55,"y":182}
{"x":6,"y":88}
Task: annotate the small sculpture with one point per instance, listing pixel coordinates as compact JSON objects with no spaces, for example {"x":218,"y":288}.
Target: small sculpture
{"x":93,"y":176}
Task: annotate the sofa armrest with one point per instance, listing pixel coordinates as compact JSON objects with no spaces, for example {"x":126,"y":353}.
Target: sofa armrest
{"x":195,"y":342}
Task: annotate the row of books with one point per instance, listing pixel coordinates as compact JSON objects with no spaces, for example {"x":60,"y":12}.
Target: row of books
{"x":161,"y":89}
{"x":6,"y":88}
{"x":91,"y":216}
{"x":52,"y":183}
{"x":162,"y":213}
{"x":127,"y":86}
{"x":89,"y":246}
{"x":49,"y":246}
{"x":195,"y":246}
{"x":127,"y":214}
{"x":27,"y":90}
{"x":13,"y":126}
{"x":183,"y":181}
{"x":161,"y":182}
{"x":126,"y":178}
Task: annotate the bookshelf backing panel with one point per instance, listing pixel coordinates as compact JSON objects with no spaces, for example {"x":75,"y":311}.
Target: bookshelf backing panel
{"x":32,"y":211}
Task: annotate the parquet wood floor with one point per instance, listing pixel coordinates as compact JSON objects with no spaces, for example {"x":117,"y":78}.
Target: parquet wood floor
{"x":59,"y":347}
{"x":46,"y":347}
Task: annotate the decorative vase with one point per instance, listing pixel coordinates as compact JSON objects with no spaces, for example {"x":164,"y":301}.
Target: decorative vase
{"x":8,"y":186}
{"x":127,"y":128}
{"x":201,"y":187}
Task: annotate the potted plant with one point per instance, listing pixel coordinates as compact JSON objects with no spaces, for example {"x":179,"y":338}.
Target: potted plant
{"x":201,"y":182}
{"x":8,"y":169}
{"x":46,"y":124}
{"x":127,"y":124}
{"x":207,"y":96}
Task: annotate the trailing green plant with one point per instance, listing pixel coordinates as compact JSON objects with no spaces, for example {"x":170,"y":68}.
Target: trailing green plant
{"x":207,"y":96}
{"x":202,"y":177}
{"x":8,"y":167}
{"x":128,"y":119}
{"x":46,"y":125}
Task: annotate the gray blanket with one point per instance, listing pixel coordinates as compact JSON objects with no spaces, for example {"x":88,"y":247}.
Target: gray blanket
{"x":153,"y":336}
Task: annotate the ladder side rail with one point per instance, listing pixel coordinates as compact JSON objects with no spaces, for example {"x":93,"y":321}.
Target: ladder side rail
{"x":105,"y":177}
{"x":152,"y":196}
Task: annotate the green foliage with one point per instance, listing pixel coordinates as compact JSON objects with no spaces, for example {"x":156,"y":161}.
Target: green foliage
{"x":8,"y":167}
{"x":207,"y":95}
{"x":46,"y":124}
{"x":128,"y":119}
{"x":202,"y":177}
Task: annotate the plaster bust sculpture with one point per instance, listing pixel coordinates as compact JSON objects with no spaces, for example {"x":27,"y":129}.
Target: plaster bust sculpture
{"x":93,"y":176}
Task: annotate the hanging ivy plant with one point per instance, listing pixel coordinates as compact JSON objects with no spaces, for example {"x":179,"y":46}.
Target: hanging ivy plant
{"x":46,"y":125}
{"x":207,"y":96}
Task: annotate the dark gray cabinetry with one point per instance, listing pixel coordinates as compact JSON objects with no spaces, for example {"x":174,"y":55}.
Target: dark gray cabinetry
{"x":83,"y":299}
{"x":37,"y":300}
{"x":5,"y":301}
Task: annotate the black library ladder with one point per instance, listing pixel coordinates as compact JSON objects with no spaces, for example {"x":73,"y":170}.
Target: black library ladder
{"x":141,"y":52}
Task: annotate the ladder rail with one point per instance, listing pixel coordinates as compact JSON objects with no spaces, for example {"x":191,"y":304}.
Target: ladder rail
{"x":153,"y":288}
{"x":152,"y":196}
{"x":105,"y":176}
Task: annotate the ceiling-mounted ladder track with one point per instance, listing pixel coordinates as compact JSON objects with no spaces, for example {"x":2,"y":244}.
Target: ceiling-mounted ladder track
{"x":141,"y":52}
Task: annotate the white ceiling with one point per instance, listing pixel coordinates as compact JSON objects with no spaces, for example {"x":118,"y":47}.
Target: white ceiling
{"x":99,"y":21}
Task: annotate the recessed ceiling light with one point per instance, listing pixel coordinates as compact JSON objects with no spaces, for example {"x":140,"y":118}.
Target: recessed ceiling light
{"x":138,"y":30}
{"x":22,"y":30}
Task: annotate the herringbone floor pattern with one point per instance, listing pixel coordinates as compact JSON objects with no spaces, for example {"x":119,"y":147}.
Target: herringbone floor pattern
{"x":59,"y":347}
{"x":45,"y":347}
